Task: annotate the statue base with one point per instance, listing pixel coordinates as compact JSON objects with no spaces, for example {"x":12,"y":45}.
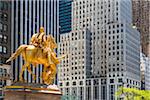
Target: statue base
{"x":26,"y":92}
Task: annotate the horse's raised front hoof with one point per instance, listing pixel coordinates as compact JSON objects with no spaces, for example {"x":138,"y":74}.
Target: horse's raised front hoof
{"x":49,"y":80}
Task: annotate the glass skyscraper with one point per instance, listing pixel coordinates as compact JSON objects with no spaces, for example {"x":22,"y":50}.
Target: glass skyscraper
{"x":5,"y":16}
{"x":65,"y":16}
{"x":27,"y":17}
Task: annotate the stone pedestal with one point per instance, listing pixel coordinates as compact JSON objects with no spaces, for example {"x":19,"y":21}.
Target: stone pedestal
{"x":30,"y":93}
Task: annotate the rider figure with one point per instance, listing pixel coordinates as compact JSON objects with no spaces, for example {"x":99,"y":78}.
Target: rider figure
{"x":46,"y":43}
{"x":39,"y":39}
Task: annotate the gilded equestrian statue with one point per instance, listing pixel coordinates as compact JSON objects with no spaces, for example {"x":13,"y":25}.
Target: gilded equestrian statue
{"x":39,"y":52}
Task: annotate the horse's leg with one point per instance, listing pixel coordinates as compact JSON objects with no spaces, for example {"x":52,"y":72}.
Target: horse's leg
{"x":44,"y":74}
{"x":21,"y":73}
{"x":52,"y":75}
{"x":48,"y":76}
{"x":30,"y":71}
{"x":34,"y":77}
{"x":49,"y":79}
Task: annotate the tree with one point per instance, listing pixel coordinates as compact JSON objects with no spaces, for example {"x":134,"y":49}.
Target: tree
{"x":133,"y":94}
{"x":69,"y":97}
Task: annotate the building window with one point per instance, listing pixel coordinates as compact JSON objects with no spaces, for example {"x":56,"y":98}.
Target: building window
{"x":4,"y":50}
{"x":111,"y":80}
{"x":0,"y":48}
{"x":117,"y":69}
{"x":1,"y":15}
{"x":5,"y":39}
{"x":5,"y":72}
{"x":117,"y":47}
{"x":5,"y":16}
{"x":121,"y":30}
{"x":121,"y":41}
{"x":1,"y":70}
{"x":120,"y":80}
{"x":117,"y":58}
{"x":117,"y":31}
{"x":1,"y":6}
{"x":74,"y":83}
{"x":61,"y":84}
{"x":1,"y":27}
{"x":0,"y":84}
{"x":1,"y":38}
{"x":67,"y":84}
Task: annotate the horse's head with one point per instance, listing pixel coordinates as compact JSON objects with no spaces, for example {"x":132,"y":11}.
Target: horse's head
{"x":51,"y":40}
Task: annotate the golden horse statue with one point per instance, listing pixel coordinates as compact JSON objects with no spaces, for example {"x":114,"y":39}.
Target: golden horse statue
{"x":36,"y":55}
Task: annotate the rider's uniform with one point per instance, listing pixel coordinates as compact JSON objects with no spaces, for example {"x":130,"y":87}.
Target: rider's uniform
{"x":38,"y":40}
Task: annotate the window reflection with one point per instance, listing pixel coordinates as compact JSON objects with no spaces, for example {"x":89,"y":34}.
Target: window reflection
{"x":0,"y":49}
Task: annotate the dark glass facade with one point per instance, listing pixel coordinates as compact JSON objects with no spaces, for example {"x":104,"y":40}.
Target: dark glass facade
{"x":5,"y":16}
{"x":27,"y":16}
{"x":65,"y":7}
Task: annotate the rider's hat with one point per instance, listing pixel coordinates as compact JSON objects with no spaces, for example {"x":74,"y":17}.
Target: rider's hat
{"x":41,"y":29}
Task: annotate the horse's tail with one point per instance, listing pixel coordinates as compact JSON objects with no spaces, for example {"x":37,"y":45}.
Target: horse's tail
{"x":17,"y":53}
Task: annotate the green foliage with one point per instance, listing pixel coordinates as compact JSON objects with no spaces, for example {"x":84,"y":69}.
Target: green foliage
{"x":133,"y":94}
{"x":69,"y":97}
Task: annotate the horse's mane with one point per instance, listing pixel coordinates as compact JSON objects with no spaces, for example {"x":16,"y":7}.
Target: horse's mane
{"x":52,"y":40}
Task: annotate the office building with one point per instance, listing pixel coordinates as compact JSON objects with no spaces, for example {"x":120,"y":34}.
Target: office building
{"x":5,"y":44}
{"x":4,"y":78}
{"x":75,"y":68}
{"x":27,"y":17}
{"x":145,"y":72}
{"x":115,"y":45}
{"x":65,"y":7}
{"x":5,"y":21}
{"x":141,"y":19}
